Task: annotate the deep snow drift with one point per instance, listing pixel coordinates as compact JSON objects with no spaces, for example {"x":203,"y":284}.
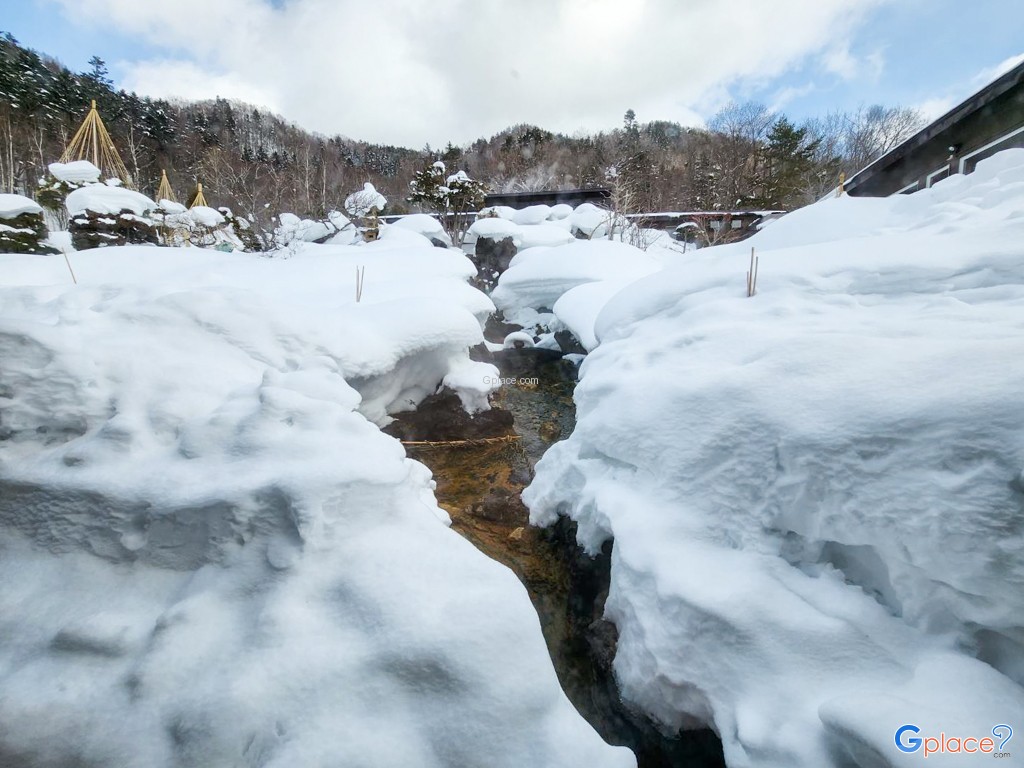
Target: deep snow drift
{"x":816,"y":494}
{"x":210,"y":555}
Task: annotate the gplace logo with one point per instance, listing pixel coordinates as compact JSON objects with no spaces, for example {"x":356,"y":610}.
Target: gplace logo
{"x":907,"y":740}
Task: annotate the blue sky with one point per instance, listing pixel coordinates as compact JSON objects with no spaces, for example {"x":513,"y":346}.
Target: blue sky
{"x":805,"y":59}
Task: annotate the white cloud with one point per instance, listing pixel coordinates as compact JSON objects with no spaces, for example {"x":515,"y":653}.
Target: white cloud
{"x":408,"y":72}
{"x":840,"y":61}
{"x":931,"y":109}
{"x":184,"y":79}
{"x":987,"y":75}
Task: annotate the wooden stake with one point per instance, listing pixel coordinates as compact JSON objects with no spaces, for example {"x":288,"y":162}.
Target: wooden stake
{"x":68,"y":262}
{"x":752,"y":274}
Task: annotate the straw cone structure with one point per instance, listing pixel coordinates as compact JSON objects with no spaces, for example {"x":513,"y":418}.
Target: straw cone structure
{"x":165,"y":192}
{"x":92,"y":142}
{"x":200,"y":198}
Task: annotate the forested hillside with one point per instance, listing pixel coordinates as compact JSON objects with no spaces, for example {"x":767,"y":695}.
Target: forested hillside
{"x":260,"y":164}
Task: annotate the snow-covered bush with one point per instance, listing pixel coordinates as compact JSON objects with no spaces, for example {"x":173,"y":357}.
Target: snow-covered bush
{"x":454,"y":198}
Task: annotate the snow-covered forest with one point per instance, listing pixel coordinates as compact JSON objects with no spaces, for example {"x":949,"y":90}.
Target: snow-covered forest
{"x":259,"y":164}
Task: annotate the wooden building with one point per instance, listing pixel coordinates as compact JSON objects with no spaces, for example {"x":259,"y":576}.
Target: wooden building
{"x":989,"y":121}
{"x":573,"y":197}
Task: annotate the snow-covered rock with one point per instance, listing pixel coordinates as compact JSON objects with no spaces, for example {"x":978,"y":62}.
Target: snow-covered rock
{"x":425,"y":225}
{"x":815,"y":493}
{"x":22,"y":226}
{"x":588,"y":220}
{"x":559,"y":212}
{"x":543,"y":235}
{"x":533,"y":214}
{"x":104,"y":199}
{"x":75,"y":173}
{"x":210,"y":554}
{"x":496,"y":229}
{"x":205,"y":216}
{"x":12,"y":206}
{"x":500,"y":211}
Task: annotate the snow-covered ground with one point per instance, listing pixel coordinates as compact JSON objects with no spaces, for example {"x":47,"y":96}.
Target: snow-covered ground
{"x":816,"y":494}
{"x":210,"y":555}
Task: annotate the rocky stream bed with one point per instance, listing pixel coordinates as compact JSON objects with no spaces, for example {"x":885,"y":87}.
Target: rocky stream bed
{"x":479,"y":480}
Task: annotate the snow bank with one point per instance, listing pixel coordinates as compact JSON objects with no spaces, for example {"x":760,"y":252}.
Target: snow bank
{"x":815,"y":494}
{"x":76,"y":172}
{"x":12,"y":206}
{"x":533,"y":214}
{"x":425,"y":225}
{"x":205,"y":216}
{"x":210,"y":556}
{"x":543,"y":235}
{"x":538,"y":277}
{"x":103,"y":199}
{"x":589,"y":220}
{"x":496,"y":229}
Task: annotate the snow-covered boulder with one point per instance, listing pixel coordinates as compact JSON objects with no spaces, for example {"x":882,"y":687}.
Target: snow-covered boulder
{"x":589,"y":221}
{"x":498,"y":211}
{"x":815,"y":493}
{"x":559,"y":212}
{"x":102,"y":215}
{"x":77,"y":172}
{"x":426,"y":225}
{"x":210,"y":554}
{"x":543,"y":235}
{"x":496,"y":243}
{"x":22,"y":226}
{"x":108,"y":200}
{"x":534,"y":214}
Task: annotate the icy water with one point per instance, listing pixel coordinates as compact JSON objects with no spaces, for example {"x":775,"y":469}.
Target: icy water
{"x":480,"y":486}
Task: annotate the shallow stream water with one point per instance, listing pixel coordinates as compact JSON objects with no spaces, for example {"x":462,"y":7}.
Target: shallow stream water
{"x":480,"y":485}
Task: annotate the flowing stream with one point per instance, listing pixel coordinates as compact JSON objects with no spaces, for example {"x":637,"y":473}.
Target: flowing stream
{"x":480,"y":485}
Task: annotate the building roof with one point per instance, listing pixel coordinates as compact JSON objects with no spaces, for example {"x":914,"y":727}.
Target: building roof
{"x":547,"y":197}
{"x":977,"y":101}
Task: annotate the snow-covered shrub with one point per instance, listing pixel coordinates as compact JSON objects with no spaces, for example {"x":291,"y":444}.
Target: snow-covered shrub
{"x":455,"y":198}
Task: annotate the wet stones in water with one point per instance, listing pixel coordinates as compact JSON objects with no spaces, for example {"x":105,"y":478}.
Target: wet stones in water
{"x":441,"y":417}
{"x":497,"y":329}
{"x":534,"y":362}
{"x":492,"y":257}
{"x":550,"y":431}
{"x":568,"y":343}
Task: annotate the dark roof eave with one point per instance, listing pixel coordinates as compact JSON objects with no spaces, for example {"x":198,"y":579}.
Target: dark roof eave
{"x":972,"y":103}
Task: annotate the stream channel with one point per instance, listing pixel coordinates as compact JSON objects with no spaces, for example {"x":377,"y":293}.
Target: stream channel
{"x":479,"y":484}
